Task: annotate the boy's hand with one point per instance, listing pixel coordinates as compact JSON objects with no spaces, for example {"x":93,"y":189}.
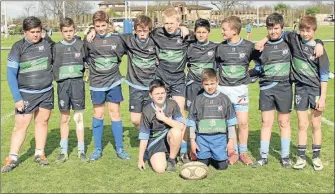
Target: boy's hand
{"x":184,"y":31}
{"x":141,"y":164}
{"x":194,"y":147}
{"x":260,"y":44}
{"x":321,"y":104}
{"x":318,"y":51}
{"x":160,"y":114}
{"x":90,"y":36}
{"x":19,"y":105}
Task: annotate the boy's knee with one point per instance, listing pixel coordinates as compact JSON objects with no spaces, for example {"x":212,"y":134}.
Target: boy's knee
{"x":175,"y":133}
{"x":159,"y":169}
{"x":205,"y":161}
{"x":78,"y":118}
{"x":115,"y":115}
{"x":284,"y":123}
{"x":303,"y":126}
{"x":220,"y":165}
{"x":243,"y":125}
{"x":135,"y":121}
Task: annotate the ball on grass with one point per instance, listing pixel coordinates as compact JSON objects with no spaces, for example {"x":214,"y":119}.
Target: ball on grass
{"x":194,"y":171}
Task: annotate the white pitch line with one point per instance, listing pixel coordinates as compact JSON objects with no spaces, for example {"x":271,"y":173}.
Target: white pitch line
{"x":4,"y":118}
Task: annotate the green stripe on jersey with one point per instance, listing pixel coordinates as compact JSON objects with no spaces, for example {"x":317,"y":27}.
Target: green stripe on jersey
{"x":70,"y":71}
{"x":105,"y":63}
{"x":199,"y":67}
{"x":234,"y":71}
{"x":278,"y":69}
{"x":34,"y":65}
{"x":210,"y":126}
{"x":171,"y":55}
{"x":303,"y":67}
{"x":143,"y":62}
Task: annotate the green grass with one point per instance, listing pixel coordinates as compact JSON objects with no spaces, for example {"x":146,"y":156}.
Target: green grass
{"x":113,"y":175}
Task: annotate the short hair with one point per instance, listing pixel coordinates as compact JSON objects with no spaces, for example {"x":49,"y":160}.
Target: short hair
{"x":308,"y":22}
{"x":202,"y":23}
{"x":234,"y":23}
{"x":31,"y":22}
{"x":208,"y":74}
{"x":143,"y":21}
{"x":100,"y":16}
{"x":156,"y":83}
{"x":172,"y":12}
{"x":66,"y":22}
{"x":274,"y":19}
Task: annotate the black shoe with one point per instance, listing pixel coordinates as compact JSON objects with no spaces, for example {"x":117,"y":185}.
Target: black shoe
{"x":184,"y":158}
{"x":260,"y":162}
{"x":41,"y":160}
{"x":171,"y":165}
{"x":286,"y":162}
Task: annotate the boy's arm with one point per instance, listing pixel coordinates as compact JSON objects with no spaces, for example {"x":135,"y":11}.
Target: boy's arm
{"x":324,"y":76}
{"x":143,"y":146}
{"x":231,"y":119}
{"x":177,"y":120}
{"x":144,"y":134}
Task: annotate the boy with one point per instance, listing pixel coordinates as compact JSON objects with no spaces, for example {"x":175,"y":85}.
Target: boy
{"x":160,"y":130}
{"x":172,"y":50}
{"x":210,"y":115}
{"x":68,"y":67}
{"x":275,"y":90}
{"x":233,"y":57}
{"x":310,"y":75}
{"x":105,"y":54}
{"x":248,"y":28}
{"x":200,"y":55}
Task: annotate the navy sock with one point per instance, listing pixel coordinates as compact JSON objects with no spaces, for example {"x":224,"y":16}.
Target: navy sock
{"x":302,"y":151}
{"x":316,"y":150}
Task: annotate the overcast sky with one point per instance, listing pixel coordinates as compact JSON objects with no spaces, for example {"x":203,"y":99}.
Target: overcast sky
{"x":16,"y":8}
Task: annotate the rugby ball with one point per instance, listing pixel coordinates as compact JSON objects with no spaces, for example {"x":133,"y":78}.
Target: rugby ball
{"x":194,"y":171}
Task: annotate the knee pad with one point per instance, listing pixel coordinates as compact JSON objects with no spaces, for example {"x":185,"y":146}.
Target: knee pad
{"x":79,"y":119}
{"x":220,"y":165}
{"x":205,"y":161}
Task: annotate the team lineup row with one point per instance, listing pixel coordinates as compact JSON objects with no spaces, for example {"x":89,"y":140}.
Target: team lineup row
{"x":214,"y":91}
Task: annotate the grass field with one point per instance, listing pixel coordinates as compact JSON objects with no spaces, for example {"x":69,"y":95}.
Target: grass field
{"x":113,"y":175}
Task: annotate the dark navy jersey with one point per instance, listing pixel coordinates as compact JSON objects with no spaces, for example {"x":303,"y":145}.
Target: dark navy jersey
{"x":171,"y":55}
{"x":233,"y":62}
{"x":275,"y":62}
{"x":141,"y":60}
{"x":34,"y":63}
{"x":211,"y":113}
{"x":150,"y":125}
{"x":306,"y":68}
{"x":68,"y":60}
{"x":200,"y":57}
{"x":105,"y":56}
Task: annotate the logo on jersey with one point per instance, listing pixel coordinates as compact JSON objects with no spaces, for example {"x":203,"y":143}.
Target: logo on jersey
{"x":113,"y":46}
{"x":242,"y":55}
{"x":275,"y":46}
{"x":104,"y":41}
{"x":150,"y":49}
{"x":179,"y":41}
{"x":41,"y":48}
{"x":132,"y":107}
{"x":69,"y":49}
{"x":210,"y":53}
{"x":212,"y":123}
{"x":285,"y":52}
{"x":220,"y":108}
{"x":25,"y":104}
{"x":61,"y":102}
{"x":306,"y":48}
{"x":242,"y":100}
{"x":232,"y":69}
{"x":297,"y":99}
{"x":71,"y":69}
{"x":312,"y":57}
{"x":77,"y":55}
{"x":188,"y":102}
{"x":233,"y":49}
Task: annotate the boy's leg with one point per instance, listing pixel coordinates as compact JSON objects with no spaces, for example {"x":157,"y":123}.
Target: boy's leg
{"x":218,"y":147}
{"x":137,"y":100}
{"x":242,"y":118}
{"x":114,"y":97}
{"x":285,"y":138}
{"x":158,"y":162}
{"x":317,"y":138}
{"x":174,"y":138}
{"x":64,"y":134}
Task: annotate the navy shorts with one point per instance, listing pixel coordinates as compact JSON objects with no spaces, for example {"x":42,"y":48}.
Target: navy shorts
{"x":113,"y":95}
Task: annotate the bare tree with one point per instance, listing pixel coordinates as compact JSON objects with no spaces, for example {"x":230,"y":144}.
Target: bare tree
{"x":28,"y":7}
{"x":223,"y":6}
{"x":54,"y":7}
{"x":75,"y":8}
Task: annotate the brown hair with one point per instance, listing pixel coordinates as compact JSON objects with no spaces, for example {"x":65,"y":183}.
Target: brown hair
{"x":234,"y":23}
{"x":308,"y":22}
{"x":172,"y":12}
{"x":208,"y":74}
{"x":100,"y":16}
{"x":66,"y":22}
{"x":143,"y":21}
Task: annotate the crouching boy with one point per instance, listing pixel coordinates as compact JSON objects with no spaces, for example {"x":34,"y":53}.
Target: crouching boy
{"x":210,"y":116}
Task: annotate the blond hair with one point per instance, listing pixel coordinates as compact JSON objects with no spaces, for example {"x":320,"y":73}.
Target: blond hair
{"x":172,"y":12}
{"x":234,"y":23}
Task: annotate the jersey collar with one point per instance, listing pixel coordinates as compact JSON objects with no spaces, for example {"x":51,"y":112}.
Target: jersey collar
{"x":68,"y":43}
{"x":234,"y":44}
{"x":212,"y":95}
{"x":154,"y":106}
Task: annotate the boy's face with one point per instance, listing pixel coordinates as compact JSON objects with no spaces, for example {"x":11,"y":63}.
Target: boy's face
{"x":100,"y":27}
{"x":307,"y":34}
{"x":202,"y":34}
{"x":34,"y":34}
{"x":68,"y":33}
{"x":227,"y":32}
{"x":158,"y":95}
{"x":275,"y":31}
{"x":171,"y":24}
{"x":210,"y":85}
{"x":142,"y":32}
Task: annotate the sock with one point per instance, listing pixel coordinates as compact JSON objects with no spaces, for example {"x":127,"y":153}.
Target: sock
{"x":81,"y":147}
{"x":264,"y":151}
{"x":236,"y":148}
{"x":183,"y":148}
{"x":242,"y":148}
{"x":117,"y":131}
{"x":285,"y":147}
{"x":63,"y":146}
{"x":316,"y":150}
{"x":97,"y":129}
{"x":13,"y":156}
{"x":39,"y":152}
{"x":171,"y":160}
{"x":302,"y":151}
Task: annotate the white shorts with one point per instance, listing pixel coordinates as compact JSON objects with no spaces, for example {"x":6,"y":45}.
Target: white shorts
{"x":238,"y":96}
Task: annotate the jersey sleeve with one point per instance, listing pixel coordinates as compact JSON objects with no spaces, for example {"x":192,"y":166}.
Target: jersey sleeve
{"x":324,"y":67}
{"x":144,"y":132}
{"x":192,"y":116}
{"x":13,"y":60}
{"x":231,"y":119}
{"x":176,"y":114}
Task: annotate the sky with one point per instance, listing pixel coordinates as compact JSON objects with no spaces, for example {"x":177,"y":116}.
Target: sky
{"x":16,"y":8}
